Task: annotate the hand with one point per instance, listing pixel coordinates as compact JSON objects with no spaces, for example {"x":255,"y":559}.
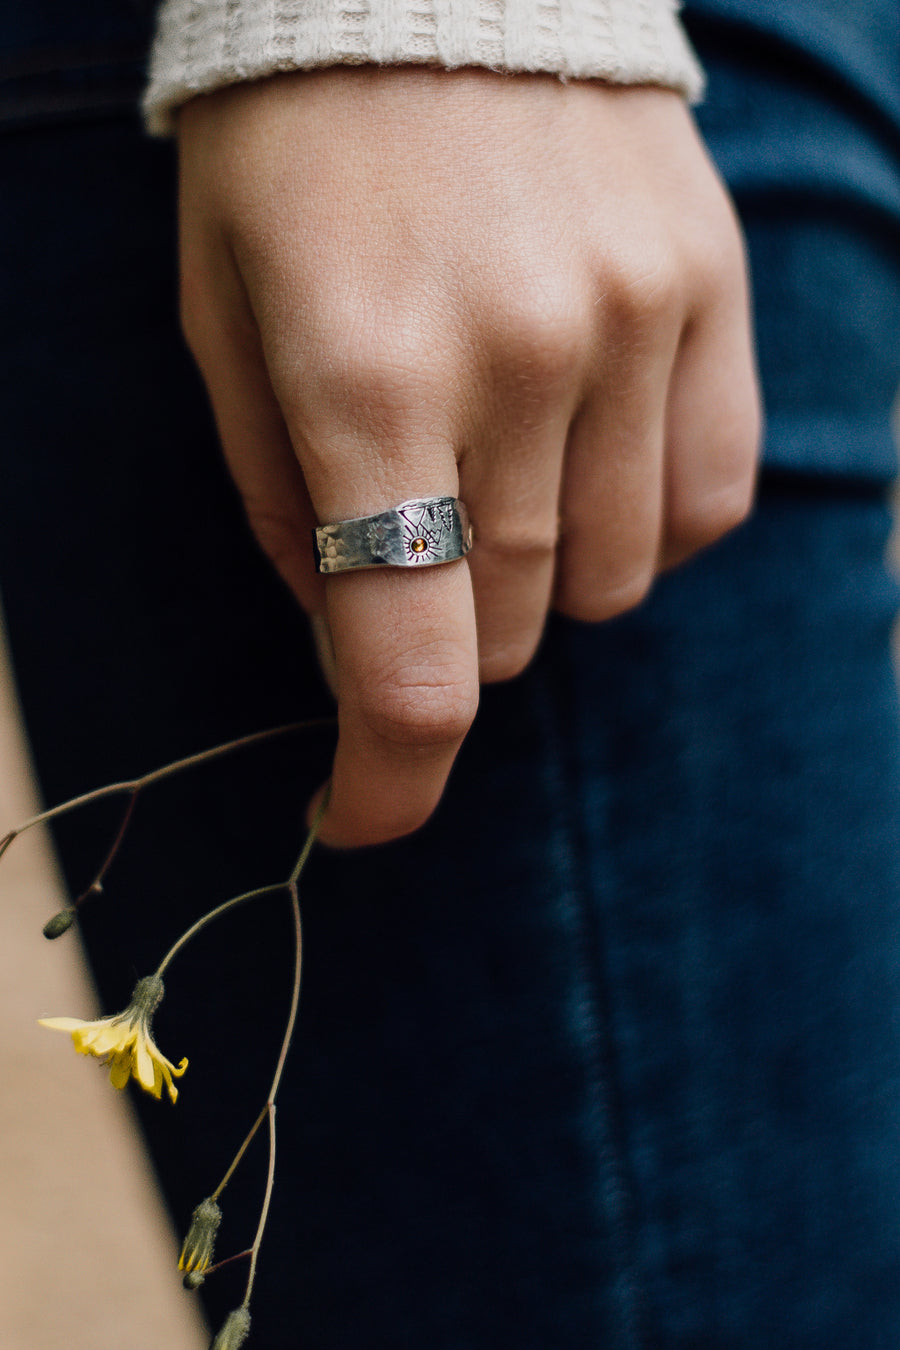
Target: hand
{"x":408,"y":282}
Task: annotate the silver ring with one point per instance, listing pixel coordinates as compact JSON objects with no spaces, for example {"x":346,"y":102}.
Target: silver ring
{"x":417,"y":533}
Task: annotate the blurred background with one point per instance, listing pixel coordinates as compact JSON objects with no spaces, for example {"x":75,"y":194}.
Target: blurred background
{"x":87,"y":1256}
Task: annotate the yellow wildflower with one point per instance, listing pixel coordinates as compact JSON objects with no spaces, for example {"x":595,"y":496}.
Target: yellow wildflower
{"x":125,"y":1043}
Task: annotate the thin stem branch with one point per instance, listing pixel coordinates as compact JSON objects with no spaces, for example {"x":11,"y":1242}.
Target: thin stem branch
{"x":310,"y":840}
{"x":298,"y":970}
{"x":292,"y":887}
{"x":240,"y":1153}
{"x":96,"y":885}
{"x":226,"y":1261}
{"x":135,"y":785}
{"x":267,"y":1200}
{"x":268,"y":1110}
{"x":213,"y":914}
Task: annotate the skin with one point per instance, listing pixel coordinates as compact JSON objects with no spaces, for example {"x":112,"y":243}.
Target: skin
{"x":404,"y":282}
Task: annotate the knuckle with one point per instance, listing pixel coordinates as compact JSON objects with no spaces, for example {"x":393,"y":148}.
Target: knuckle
{"x":709,"y":511}
{"x":627,"y":594}
{"x":507,"y":662}
{"x":544,"y":329}
{"x":643,"y":291}
{"x":519,"y":538}
{"x":382,"y":365}
{"x":716,"y":255}
{"x":419,"y":714}
{"x":594,"y":604}
{"x":371,"y":378}
{"x":729,"y":507}
{"x":386,"y":401}
{"x":711,"y":516}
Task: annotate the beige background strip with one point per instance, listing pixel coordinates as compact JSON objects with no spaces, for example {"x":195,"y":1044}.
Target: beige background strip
{"x":87,"y":1258}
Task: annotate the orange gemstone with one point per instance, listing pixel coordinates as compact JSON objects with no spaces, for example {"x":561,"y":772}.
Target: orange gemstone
{"x":418,"y":546}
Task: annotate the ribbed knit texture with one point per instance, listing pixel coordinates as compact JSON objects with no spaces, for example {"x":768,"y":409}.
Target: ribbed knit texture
{"x":204,"y":44}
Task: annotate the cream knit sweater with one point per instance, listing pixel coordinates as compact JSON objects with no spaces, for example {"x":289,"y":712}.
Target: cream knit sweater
{"x":204,"y":44}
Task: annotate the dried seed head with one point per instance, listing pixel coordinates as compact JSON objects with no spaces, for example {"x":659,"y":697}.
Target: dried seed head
{"x":197,"y":1252}
{"x":234,"y":1331}
{"x":60,"y":923}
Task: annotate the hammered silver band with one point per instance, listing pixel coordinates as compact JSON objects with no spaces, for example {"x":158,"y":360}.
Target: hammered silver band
{"x":417,"y":533}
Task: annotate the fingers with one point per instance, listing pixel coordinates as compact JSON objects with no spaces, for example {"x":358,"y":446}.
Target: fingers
{"x":662,"y":458}
{"x":511,"y":483}
{"x":577,"y":370}
{"x":512,"y":567}
{"x":405,"y":654}
{"x":404,"y":644}
{"x":712,"y":430}
{"x":402,"y":408}
{"x":611,"y":507}
{"x":255,"y":440}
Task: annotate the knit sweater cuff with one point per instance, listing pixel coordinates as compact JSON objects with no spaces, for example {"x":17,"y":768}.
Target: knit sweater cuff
{"x":204,"y":44}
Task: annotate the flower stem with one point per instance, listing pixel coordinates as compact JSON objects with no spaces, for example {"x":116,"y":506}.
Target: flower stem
{"x":267,"y":1200}
{"x":298,"y":955}
{"x":96,"y":885}
{"x":310,"y":838}
{"x":136,"y":785}
{"x":240,"y":1153}
{"x":268,"y":1110}
{"x":214,"y":914}
{"x":290,"y":886}
{"x":227,"y":1261}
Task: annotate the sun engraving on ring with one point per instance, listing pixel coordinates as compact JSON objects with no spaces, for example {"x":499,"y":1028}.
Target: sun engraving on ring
{"x":419,"y":548}
{"x":426,"y":525}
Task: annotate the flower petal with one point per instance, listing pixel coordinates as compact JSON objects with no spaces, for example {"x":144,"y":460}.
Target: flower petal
{"x":170,"y":1069}
{"x":165,"y":1072}
{"x":145,"y":1064}
{"x":63,"y":1023}
{"x":104,"y":1037}
{"x":120,"y":1068}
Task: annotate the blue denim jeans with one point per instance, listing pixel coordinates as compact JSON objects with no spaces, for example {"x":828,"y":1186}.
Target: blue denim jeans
{"x":609,"y":1053}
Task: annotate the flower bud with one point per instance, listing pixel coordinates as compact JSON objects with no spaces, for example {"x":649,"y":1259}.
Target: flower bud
{"x":193,"y":1280}
{"x":60,"y":923}
{"x":197,"y":1252}
{"x":234,"y":1331}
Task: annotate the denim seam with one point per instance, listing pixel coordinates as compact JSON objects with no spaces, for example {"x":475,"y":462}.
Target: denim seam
{"x":715,"y":35}
{"x":596,"y":1042}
